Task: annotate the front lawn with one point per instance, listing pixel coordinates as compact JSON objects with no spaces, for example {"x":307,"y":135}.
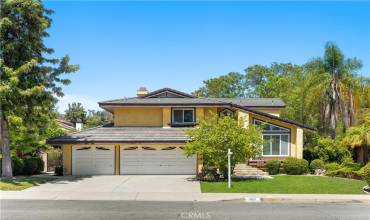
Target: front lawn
{"x":289,"y":185}
{"x":20,"y":183}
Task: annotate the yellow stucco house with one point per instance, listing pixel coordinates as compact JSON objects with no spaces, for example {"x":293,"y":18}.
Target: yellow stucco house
{"x":149,"y":133}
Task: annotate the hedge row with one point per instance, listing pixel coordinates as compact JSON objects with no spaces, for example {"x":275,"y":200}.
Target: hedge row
{"x":291,"y":166}
{"x":27,"y":166}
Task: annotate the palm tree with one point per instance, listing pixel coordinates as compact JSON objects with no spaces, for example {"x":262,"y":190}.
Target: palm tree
{"x":358,"y":138}
{"x":334,"y":82}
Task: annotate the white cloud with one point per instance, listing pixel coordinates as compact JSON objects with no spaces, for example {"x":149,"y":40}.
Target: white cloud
{"x":87,"y":102}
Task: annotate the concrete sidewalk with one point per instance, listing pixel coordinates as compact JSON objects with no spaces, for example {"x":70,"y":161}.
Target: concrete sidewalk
{"x":184,"y":196}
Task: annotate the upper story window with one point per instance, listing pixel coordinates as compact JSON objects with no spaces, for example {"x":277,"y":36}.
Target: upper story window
{"x":270,"y":128}
{"x":183,"y":116}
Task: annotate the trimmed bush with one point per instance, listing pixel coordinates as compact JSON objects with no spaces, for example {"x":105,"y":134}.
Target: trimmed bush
{"x":366,"y":173}
{"x":58,"y":171}
{"x":332,"y":166}
{"x":273,"y":167}
{"x":294,"y":166}
{"x":350,"y":164}
{"x":30,"y":166}
{"x":348,"y":169}
{"x":17,"y":165}
{"x":317,"y":164}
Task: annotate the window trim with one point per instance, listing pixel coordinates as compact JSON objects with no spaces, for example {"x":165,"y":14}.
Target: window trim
{"x":182,"y":123}
{"x":279,"y":155}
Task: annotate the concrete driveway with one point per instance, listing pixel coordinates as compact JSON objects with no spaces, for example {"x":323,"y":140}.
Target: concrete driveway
{"x":127,"y":183}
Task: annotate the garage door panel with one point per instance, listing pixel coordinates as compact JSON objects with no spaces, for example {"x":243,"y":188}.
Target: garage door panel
{"x":140,"y":161}
{"x":93,"y":160}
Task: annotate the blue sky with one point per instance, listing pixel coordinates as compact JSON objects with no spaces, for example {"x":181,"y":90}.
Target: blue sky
{"x":121,"y":46}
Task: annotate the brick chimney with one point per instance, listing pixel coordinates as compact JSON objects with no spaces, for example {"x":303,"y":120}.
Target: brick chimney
{"x":142,"y":91}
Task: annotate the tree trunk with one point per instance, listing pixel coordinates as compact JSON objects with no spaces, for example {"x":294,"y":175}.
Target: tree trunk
{"x":351,"y":110}
{"x":366,"y":153}
{"x":344,"y":112}
{"x":361,"y":154}
{"x":332,"y":111}
{"x":6,"y":160}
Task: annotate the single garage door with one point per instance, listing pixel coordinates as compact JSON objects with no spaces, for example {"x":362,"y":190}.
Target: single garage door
{"x":92,"y":160}
{"x":147,"y":160}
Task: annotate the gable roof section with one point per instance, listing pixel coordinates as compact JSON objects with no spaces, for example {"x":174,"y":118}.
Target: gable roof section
{"x":163,"y":93}
{"x":272,"y":117}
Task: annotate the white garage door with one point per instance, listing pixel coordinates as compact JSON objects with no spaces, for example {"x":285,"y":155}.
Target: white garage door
{"x":92,"y":160}
{"x":146,"y":160}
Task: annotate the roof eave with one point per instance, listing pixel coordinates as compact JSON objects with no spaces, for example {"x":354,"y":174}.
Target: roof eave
{"x":274,"y":117}
{"x":60,"y":142}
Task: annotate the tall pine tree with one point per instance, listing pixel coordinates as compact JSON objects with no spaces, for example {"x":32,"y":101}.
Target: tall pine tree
{"x":30,"y":79}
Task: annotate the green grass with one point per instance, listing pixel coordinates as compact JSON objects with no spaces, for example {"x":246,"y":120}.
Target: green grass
{"x":289,"y":185}
{"x":20,"y":183}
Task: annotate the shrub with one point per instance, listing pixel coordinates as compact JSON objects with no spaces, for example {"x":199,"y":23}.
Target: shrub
{"x":273,"y":167}
{"x":332,"y":166}
{"x":30,"y":166}
{"x":326,"y":149}
{"x":366,"y":173}
{"x":40,"y":165}
{"x":348,"y":169}
{"x":209,"y":173}
{"x":317,"y":164}
{"x":17,"y":165}
{"x":58,"y":171}
{"x":349,"y":163}
{"x":294,"y":166}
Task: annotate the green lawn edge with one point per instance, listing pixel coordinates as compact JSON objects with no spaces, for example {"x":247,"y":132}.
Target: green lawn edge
{"x":21,"y":183}
{"x":288,"y":185}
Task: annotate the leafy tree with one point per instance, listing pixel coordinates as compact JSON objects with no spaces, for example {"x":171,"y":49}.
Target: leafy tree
{"x":281,"y":80}
{"x":75,"y":112}
{"x":30,"y":78}
{"x":214,"y":136}
{"x":227,"y":86}
{"x":97,"y":118}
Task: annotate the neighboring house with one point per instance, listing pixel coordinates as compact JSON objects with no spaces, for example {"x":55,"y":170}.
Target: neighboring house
{"x":149,"y":133}
{"x":66,"y":126}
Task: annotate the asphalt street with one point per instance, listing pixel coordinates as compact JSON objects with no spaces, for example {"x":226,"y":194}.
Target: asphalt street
{"x":53,"y":209}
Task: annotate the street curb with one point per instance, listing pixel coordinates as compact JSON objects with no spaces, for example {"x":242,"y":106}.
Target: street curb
{"x":286,"y":200}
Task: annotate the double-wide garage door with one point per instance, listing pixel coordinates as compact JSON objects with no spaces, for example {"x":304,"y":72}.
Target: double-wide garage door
{"x":100,"y":160}
{"x":147,"y":160}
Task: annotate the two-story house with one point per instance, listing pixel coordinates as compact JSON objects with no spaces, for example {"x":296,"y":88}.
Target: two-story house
{"x":149,"y":133}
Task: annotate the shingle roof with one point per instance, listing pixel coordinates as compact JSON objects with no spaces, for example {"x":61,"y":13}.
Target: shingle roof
{"x":163,"y":101}
{"x":152,"y":99}
{"x":247,"y":102}
{"x":253,"y":102}
{"x":109,"y":134}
